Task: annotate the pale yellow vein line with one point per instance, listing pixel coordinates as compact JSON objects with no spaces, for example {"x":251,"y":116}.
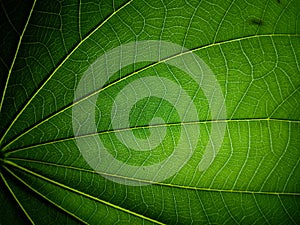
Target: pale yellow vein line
{"x":286,"y":211}
{"x":82,"y":193}
{"x":132,"y":74}
{"x":15,"y":57}
{"x":59,"y":66}
{"x":150,"y":126}
{"x":260,"y":210}
{"x":157,"y":183}
{"x":278,"y":17}
{"x":228,"y":211}
{"x":44,"y":197}
{"x":285,"y":100}
{"x":8,"y":19}
{"x":222,"y":20}
{"x":16,"y":199}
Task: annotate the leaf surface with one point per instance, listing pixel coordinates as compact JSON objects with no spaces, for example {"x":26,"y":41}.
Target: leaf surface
{"x":236,"y":122}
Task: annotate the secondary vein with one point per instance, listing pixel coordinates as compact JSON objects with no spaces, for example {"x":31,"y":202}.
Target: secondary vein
{"x":119,"y":80}
{"x":15,"y":56}
{"x":159,"y":183}
{"x":57,"y":68}
{"x":8,"y":152}
{"x":82,"y":193}
{"x":16,"y":199}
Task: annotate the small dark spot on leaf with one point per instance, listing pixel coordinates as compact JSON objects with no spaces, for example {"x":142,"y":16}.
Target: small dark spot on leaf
{"x":257,"y":22}
{"x":278,"y":1}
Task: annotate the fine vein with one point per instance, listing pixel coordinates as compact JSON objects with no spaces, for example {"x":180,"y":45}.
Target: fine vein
{"x":150,"y":126}
{"x":82,"y":193}
{"x":57,"y":68}
{"x":158,"y":183}
{"x":15,"y":57}
{"x":119,"y":80}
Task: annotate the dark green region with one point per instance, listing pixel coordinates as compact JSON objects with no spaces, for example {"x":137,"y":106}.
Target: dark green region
{"x":2,"y":156}
{"x":1,"y":160}
{"x":257,"y":22}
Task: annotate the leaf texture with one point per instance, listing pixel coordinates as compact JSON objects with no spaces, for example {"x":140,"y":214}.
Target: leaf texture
{"x":250,"y":51}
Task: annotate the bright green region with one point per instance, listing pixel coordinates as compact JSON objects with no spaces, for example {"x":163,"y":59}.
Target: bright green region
{"x":252,"y":50}
{"x":145,"y":110}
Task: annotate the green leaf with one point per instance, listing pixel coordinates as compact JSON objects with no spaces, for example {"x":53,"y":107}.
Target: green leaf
{"x":150,"y":112}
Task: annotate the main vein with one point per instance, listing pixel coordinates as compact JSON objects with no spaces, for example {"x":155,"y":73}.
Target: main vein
{"x":16,"y":199}
{"x":82,"y":193}
{"x":170,"y":185}
{"x":15,"y":56}
{"x":148,"y":126}
{"x":58,"y":67}
{"x":120,"y":80}
{"x":44,"y":197}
